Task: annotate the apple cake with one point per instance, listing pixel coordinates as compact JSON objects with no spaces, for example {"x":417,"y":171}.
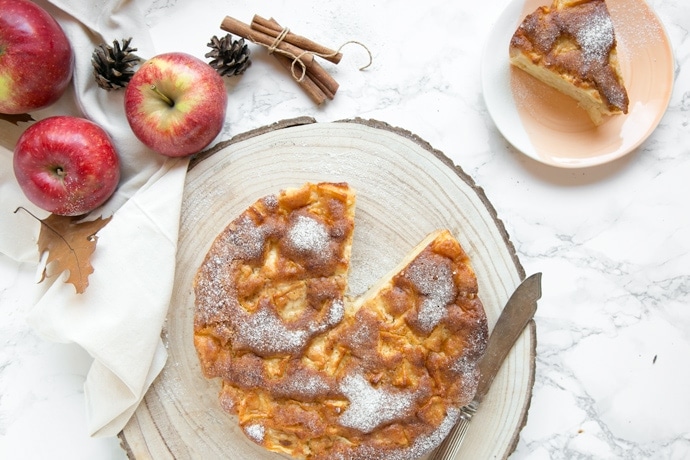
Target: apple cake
{"x":314,"y":374}
{"x":572,"y":47}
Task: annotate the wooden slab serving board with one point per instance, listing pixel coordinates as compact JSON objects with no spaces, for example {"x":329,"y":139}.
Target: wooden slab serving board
{"x":405,"y":189}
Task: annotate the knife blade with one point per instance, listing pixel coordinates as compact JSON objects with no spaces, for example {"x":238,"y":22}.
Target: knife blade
{"x":517,"y":313}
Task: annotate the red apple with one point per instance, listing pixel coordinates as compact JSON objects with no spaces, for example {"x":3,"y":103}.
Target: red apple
{"x":36,"y":59}
{"x":175,"y":104}
{"x":66,"y":165}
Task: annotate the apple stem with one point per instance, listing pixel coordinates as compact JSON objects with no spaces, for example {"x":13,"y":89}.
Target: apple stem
{"x":165,"y":98}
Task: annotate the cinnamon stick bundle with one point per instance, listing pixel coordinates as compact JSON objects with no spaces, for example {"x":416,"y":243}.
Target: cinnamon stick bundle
{"x":290,"y":50}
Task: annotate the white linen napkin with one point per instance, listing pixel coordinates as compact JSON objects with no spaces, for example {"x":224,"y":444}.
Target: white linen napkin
{"x":118,"y":319}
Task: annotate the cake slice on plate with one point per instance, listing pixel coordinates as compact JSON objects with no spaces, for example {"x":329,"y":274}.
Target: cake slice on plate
{"x":572,"y":47}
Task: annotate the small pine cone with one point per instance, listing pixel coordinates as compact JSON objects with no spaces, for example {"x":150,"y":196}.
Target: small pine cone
{"x":229,"y":57}
{"x":113,"y":66}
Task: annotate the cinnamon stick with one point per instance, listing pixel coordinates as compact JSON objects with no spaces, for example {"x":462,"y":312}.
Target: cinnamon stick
{"x":236,"y":27}
{"x":314,"y":71}
{"x":272,"y":28}
{"x":316,"y":81}
{"x":330,"y":94}
{"x":313,"y":90}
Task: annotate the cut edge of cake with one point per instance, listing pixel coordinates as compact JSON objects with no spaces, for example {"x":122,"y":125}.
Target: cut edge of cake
{"x":383,"y":281}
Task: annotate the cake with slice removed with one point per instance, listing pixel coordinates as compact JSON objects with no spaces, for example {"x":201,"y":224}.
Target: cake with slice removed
{"x":314,"y":374}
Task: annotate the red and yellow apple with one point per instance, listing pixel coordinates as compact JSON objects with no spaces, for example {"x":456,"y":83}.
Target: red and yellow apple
{"x":175,"y":104}
{"x":66,"y":165}
{"x":36,"y":59}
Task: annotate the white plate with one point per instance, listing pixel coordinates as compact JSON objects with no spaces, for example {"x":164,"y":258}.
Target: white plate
{"x":550,"y":127}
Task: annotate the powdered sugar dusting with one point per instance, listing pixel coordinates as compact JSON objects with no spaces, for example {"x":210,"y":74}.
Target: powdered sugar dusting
{"x":247,"y":241}
{"x":255,"y":432}
{"x":421,"y":446}
{"x":466,"y":369}
{"x":434,"y":280}
{"x":336,"y":312}
{"x":463,"y":366}
{"x":265,"y":333}
{"x":303,"y":384}
{"x":424,"y":444}
{"x":271,"y":202}
{"x":308,"y":235}
{"x":370,"y":407}
{"x":596,"y":37}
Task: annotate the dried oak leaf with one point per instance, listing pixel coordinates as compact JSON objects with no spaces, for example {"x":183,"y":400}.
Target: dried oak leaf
{"x":70,"y":244}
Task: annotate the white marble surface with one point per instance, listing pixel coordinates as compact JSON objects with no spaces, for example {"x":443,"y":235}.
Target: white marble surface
{"x":613,"y":241}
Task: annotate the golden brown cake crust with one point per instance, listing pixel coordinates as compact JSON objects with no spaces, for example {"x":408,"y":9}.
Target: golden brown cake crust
{"x":316,"y":375}
{"x":575,"y":38}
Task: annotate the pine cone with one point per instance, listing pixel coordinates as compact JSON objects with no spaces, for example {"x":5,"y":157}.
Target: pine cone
{"x":229,"y":57}
{"x":113,"y":66}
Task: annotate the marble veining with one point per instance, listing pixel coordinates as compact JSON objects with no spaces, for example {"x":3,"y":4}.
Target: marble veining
{"x":612,"y":242}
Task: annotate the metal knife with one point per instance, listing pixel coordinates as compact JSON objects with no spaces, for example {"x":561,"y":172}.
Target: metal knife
{"x":515,"y":316}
